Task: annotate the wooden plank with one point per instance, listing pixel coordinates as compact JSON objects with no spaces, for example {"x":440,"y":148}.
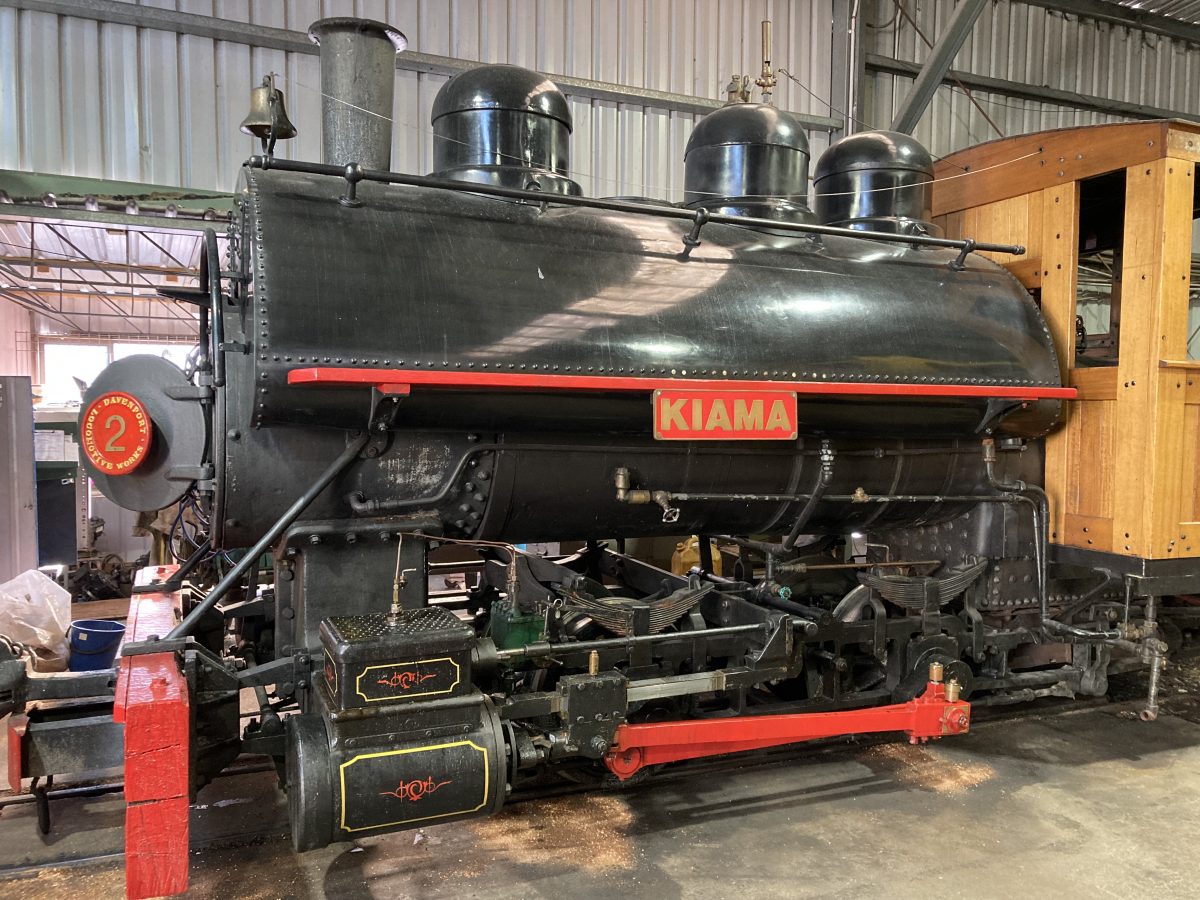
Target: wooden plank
{"x":1133,"y":475}
{"x":1099,"y":383}
{"x":1183,"y":141}
{"x":1189,"y":480}
{"x":1091,"y":532}
{"x":1172,"y":455}
{"x":101,"y":609}
{"x":1060,"y":265}
{"x":1026,"y":163}
{"x":1174,"y":459}
{"x":1058,"y":208}
{"x":1090,"y":436}
{"x":152,"y":701}
{"x":1028,"y":271}
{"x":1157,"y":260}
{"x":1016,"y":220}
{"x":951,"y":224}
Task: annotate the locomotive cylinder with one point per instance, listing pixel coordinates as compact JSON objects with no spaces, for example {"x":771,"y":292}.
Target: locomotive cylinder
{"x":358,"y":85}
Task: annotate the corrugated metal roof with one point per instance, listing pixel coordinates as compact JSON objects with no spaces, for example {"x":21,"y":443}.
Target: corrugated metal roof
{"x":1184,"y":10}
{"x":1031,"y":45}
{"x":99,"y":278}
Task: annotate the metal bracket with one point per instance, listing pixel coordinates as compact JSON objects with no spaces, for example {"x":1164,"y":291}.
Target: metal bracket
{"x":175,"y":582}
{"x":188,"y":392}
{"x":43,"y":802}
{"x":183,"y":645}
{"x":960,"y":262}
{"x":691,"y":240}
{"x":997,"y":409}
{"x":190,"y":473}
{"x":155,"y":644}
{"x":385,"y":406}
{"x":277,"y":671}
{"x":353,"y":175}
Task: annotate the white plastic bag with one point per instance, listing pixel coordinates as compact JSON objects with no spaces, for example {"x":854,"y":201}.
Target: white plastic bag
{"x":37,"y":612}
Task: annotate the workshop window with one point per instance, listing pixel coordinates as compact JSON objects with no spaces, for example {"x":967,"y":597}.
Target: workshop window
{"x":65,"y":365}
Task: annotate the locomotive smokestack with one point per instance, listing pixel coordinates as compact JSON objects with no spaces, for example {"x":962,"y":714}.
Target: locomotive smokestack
{"x":358,"y":84}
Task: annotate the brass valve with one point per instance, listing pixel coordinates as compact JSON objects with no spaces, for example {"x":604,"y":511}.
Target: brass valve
{"x":953,"y":690}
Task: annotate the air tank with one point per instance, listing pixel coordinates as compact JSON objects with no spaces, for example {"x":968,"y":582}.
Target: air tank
{"x":748,"y":159}
{"x":876,"y":181}
{"x":503,"y":125}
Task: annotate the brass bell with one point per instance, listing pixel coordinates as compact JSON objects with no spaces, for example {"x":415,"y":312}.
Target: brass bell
{"x":267,"y":119}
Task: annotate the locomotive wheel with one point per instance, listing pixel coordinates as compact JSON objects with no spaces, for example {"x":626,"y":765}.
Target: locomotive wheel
{"x":931,"y":650}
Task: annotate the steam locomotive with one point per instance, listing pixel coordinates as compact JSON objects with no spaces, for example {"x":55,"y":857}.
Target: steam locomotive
{"x":394,"y":367}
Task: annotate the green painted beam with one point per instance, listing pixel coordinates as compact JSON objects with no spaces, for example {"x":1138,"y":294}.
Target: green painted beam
{"x":25,"y":194}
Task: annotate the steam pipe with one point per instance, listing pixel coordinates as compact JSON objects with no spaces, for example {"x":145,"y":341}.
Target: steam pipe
{"x":1040,"y":504}
{"x":213,"y":257}
{"x":823,"y":481}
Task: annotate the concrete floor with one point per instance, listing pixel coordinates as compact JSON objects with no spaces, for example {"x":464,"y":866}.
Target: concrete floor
{"x":1089,"y":803}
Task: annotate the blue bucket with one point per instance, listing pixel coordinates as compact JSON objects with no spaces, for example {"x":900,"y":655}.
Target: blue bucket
{"x":94,"y":644}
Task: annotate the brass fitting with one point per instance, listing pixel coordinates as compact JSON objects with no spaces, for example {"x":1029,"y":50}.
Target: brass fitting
{"x":936,"y":672}
{"x":989,"y":450}
{"x":953,"y":690}
{"x":594,"y":662}
{"x":622,"y":481}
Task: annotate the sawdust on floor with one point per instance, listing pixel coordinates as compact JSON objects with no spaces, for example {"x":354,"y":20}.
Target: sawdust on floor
{"x":95,"y":882}
{"x":920,"y":767}
{"x":590,"y":831}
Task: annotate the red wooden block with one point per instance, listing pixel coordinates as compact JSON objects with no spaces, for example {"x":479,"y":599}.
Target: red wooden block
{"x":156,"y":849}
{"x":17,"y":725}
{"x":152,"y":701}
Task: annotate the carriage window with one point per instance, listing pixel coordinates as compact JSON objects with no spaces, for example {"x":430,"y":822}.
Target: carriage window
{"x":1098,"y":297}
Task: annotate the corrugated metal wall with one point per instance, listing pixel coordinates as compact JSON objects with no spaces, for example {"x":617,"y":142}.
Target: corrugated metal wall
{"x":113,"y":101}
{"x":1031,"y":45}
{"x":16,"y":356}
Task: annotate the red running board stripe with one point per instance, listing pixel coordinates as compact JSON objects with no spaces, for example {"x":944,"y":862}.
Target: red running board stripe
{"x":395,"y":381}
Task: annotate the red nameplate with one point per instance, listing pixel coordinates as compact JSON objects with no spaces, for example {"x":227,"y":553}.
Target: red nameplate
{"x":691,"y":415}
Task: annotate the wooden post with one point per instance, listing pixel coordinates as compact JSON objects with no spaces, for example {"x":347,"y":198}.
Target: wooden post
{"x":1059,"y":277}
{"x":153,"y":703}
{"x":1157,"y":263}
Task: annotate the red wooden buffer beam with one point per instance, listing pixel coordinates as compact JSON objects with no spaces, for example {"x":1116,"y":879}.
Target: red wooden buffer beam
{"x":937,"y":712}
{"x":152,"y":701}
